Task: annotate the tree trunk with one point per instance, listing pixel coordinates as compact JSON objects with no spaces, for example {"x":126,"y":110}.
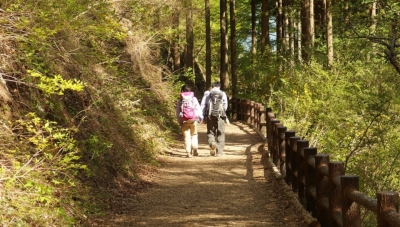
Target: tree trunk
{"x":312,"y":27}
{"x":208,"y":44}
{"x":176,"y":54}
{"x":265,"y":44}
{"x":329,"y":32}
{"x":292,"y":30}
{"x":233,"y":48}
{"x":279,"y":28}
{"x":373,"y":26}
{"x":224,"y":46}
{"x":253,"y":28}
{"x":189,"y":39}
{"x":299,"y":47}
{"x":285,"y":35}
{"x":306,"y":36}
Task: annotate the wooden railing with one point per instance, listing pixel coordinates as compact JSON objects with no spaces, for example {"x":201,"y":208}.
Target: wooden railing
{"x":250,"y":112}
{"x":323,"y":189}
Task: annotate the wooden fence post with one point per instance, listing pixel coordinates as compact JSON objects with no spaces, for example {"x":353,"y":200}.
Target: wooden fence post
{"x":310,"y":172}
{"x":322,"y":187}
{"x":388,"y":202}
{"x":248,"y":112}
{"x":301,"y":144}
{"x":270,"y":116}
{"x":276,"y":156}
{"x":336,"y":169}
{"x":293,"y":161}
{"x":256,"y":120}
{"x":288,"y":172}
{"x":262,"y":117}
{"x":243,"y":110}
{"x":273,"y":137}
{"x":252,"y":111}
{"x":282,"y":150}
{"x":234,"y":113}
{"x":350,"y":210}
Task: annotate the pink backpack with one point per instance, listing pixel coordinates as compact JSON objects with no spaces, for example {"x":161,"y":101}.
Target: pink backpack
{"x":187,"y":107}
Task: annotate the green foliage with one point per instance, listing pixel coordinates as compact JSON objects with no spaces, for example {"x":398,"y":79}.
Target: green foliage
{"x":56,"y":85}
{"x":349,"y":112}
{"x":43,"y":165}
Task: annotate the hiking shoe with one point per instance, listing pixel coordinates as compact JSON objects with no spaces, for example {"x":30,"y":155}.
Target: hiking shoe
{"x":189,"y":156}
{"x":195,"y":152}
{"x":213,"y":147}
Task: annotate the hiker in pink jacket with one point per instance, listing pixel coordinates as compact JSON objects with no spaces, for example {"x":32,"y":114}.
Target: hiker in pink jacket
{"x":188,"y":114}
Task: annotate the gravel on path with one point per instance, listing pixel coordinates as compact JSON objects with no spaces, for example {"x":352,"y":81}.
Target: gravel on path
{"x":236,"y":189}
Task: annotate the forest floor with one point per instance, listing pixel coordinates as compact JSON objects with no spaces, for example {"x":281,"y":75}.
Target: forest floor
{"x":237,"y":189}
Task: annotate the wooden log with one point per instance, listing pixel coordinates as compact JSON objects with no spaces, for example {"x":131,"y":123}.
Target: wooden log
{"x":322,"y":188}
{"x":276,"y":157}
{"x":309,"y":172}
{"x":248,"y":111}
{"x":270,"y":116}
{"x":288,"y":176}
{"x":282,"y":151}
{"x":301,"y":186}
{"x":251,"y":112}
{"x":350,"y":209}
{"x":388,"y":208}
{"x":335,"y":206}
{"x":293,"y":161}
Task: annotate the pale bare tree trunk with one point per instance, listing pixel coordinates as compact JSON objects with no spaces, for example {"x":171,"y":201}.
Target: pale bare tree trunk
{"x":265,"y":42}
{"x":373,"y":25}
{"x":312,"y":26}
{"x":233,"y":47}
{"x":224,"y":46}
{"x":299,"y":47}
{"x":329,"y":32}
{"x":208,"y":44}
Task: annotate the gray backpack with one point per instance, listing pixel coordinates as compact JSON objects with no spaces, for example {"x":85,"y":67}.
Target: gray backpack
{"x":215,"y":105}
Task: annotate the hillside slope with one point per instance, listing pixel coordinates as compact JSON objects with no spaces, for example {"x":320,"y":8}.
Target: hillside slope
{"x":84,"y":110}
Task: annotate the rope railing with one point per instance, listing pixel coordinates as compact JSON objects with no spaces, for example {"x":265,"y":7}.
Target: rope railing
{"x":322,"y":186}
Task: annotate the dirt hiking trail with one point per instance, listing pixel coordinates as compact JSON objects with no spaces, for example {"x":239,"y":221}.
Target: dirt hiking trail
{"x":233,"y":190}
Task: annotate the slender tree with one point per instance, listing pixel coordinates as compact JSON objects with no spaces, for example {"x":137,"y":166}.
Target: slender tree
{"x":176,"y":53}
{"x":292,"y":30}
{"x":253,"y":27}
{"x":208,"y":44}
{"x":189,"y":38}
{"x":306,"y":32}
{"x":329,"y":32}
{"x":279,"y":27}
{"x":298,"y":36}
{"x":224,"y":46}
{"x":233,"y":47}
{"x":312,"y":24}
{"x":265,"y":42}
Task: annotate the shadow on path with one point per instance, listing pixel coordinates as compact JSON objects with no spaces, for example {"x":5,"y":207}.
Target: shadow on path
{"x":232,"y":190}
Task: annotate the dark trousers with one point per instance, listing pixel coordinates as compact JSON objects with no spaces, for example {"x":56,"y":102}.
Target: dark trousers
{"x":216,"y":132}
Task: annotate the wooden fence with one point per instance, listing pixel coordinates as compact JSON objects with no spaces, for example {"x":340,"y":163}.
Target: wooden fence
{"x":323,"y":189}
